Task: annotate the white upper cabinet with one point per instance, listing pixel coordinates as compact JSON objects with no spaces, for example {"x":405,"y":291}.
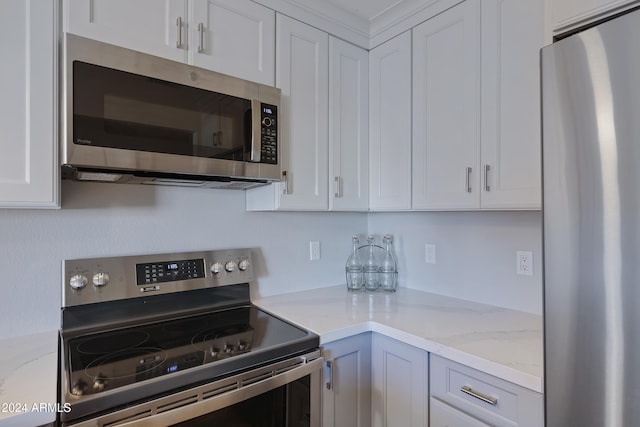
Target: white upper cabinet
{"x":28,"y":106}
{"x":512,"y":35}
{"x":476,"y":107}
{"x":323,"y":126}
{"x":446,"y":109}
{"x":302,"y":72}
{"x":235,"y":37}
{"x":150,"y":26}
{"x":390,"y":124}
{"x":348,"y":126}
{"x":570,"y":14}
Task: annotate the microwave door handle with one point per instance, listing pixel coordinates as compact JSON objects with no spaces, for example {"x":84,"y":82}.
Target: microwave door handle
{"x":256,"y":131}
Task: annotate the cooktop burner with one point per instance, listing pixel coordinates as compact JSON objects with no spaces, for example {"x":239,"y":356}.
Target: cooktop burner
{"x":108,"y":360}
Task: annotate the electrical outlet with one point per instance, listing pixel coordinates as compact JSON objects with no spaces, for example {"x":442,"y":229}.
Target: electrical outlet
{"x":314,"y":250}
{"x":430,"y":253}
{"x":524,"y":260}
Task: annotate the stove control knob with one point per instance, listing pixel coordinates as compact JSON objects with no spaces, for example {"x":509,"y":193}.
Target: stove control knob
{"x":100,"y":279}
{"x":79,"y":388}
{"x":99,"y":384}
{"x":230,"y":267}
{"x":78,"y":281}
{"x":243,"y":265}
{"x":216,"y":267}
{"x":242,"y":346}
{"x":228,"y":349}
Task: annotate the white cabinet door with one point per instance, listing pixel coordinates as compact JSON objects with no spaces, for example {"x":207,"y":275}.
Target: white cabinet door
{"x":568,"y":14}
{"x":150,"y":26}
{"x":390,"y":125}
{"x":399,"y":381}
{"x":446,"y":109}
{"x":346,"y":396}
{"x":28,"y":119}
{"x":512,"y":35}
{"x":443,"y":415}
{"x":235,"y":37}
{"x":302,"y":72}
{"x":348,"y":126}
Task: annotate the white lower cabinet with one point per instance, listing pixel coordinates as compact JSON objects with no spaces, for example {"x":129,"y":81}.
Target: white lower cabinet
{"x":443,"y":415}
{"x":399,"y":380}
{"x":28,"y":118}
{"x":462,"y":396}
{"x":346,"y":398}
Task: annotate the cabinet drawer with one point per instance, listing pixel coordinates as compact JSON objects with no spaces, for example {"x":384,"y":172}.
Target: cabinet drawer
{"x":490,"y":399}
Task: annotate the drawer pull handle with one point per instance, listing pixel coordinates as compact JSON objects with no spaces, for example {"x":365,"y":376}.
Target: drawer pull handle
{"x":471,"y":392}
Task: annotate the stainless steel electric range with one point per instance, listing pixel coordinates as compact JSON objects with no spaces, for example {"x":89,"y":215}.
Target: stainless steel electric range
{"x":173,"y":340}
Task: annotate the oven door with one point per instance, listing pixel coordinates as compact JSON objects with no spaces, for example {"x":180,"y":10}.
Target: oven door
{"x":285,"y":393}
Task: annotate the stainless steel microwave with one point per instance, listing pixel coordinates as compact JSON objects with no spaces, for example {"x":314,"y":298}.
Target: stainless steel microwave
{"x":129,"y":117}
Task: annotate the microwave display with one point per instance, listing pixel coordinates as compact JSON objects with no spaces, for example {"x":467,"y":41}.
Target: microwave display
{"x":134,"y":112}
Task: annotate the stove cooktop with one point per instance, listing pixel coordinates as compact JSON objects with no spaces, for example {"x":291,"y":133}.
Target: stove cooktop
{"x":109,"y":360}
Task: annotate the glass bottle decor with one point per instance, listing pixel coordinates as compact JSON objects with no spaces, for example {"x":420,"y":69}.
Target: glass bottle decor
{"x":371,"y":274}
{"x":388,"y":266}
{"x":354,"y":268}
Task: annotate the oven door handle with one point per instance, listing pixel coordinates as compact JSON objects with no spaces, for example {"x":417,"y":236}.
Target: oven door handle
{"x":242,"y":393}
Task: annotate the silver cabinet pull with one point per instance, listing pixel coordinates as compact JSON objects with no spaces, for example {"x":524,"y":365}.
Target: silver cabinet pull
{"x":285,"y":181}
{"x":487,"y":168}
{"x":469,"y":179}
{"x":338,"y":186}
{"x":201,"y":38}
{"x":485,"y":398}
{"x":329,"y":383}
{"x":179,"y":24}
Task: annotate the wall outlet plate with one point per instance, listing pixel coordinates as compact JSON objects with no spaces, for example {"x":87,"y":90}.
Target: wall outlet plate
{"x":524,"y":263}
{"x":314,"y":250}
{"x":430,"y":253}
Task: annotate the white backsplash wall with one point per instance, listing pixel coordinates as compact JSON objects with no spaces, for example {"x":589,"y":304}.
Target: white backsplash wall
{"x":110,"y":220}
{"x":475,"y":254}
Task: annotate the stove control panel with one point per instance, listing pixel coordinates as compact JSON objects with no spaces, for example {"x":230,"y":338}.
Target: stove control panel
{"x":116,"y":278}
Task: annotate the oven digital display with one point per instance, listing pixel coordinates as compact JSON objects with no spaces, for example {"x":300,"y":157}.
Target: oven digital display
{"x":169,"y":271}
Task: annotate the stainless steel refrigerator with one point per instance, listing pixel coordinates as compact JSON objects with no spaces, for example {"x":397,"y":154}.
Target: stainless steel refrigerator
{"x":591,"y":205}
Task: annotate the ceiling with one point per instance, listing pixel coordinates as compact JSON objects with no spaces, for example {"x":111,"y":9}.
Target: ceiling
{"x":367,"y":17}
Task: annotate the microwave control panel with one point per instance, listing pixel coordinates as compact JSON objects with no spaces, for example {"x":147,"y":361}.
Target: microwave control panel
{"x":269,"y":133}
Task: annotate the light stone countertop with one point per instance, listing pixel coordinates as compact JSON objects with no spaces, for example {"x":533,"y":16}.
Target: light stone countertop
{"x":501,"y":342}
{"x":28,"y":380}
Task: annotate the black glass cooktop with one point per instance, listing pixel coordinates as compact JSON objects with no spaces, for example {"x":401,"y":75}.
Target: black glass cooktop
{"x":227,"y":338}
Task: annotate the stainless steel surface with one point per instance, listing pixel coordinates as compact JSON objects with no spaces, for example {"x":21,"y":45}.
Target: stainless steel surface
{"x":468,"y":179}
{"x":487,"y":187}
{"x":179,"y":24}
{"x":256,"y":141}
{"x":591,"y":155}
{"x":285,"y":179}
{"x":201,"y":38}
{"x":329,"y":383}
{"x":192,"y":403}
{"x":120,"y":275}
{"x":117,"y":165}
{"x":338,"y":186}
{"x":478,"y":395}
